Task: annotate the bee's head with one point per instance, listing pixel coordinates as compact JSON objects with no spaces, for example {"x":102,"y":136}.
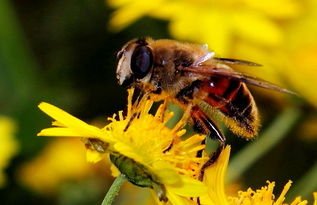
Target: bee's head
{"x":135,"y":62}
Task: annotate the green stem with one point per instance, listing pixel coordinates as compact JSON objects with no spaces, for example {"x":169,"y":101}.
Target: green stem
{"x":114,"y":190}
{"x":272,"y":135}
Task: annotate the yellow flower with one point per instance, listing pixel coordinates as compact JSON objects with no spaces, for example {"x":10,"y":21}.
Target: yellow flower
{"x":215,"y":178}
{"x":265,"y":196}
{"x":8,"y":145}
{"x":292,"y":62}
{"x":217,"y":23}
{"x":141,"y":146}
{"x":140,"y":141}
{"x":300,"y":53}
{"x":61,"y":160}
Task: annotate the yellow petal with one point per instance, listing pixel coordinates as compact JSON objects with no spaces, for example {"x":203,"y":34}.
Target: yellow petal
{"x":170,"y":10}
{"x":57,"y":124}
{"x":214,"y":179}
{"x":281,"y":198}
{"x":291,"y":8}
{"x":93,"y":156}
{"x":128,"y":151}
{"x":59,"y":132}
{"x":304,"y":59}
{"x":72,"y":122}
{"x":190,"y":187}
{"x":129,"y":13}
{"x":166,"y":173}
{"x":219,"y":35}
{"x":256,"y":27}
{"x":119,"y":3}
{"x":114,"y":171}
{"x":61,"y":160}
{"x":177,"y":200}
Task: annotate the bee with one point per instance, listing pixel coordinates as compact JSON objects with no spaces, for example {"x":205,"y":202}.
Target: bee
{"x":206,"y":87}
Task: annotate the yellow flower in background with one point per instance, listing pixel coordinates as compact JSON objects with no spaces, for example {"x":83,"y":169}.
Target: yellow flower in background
{"x":217,"y":23}
{"x":301,"y":54}
{"x":8,"y":145}
{"x":294,"y":61}
{"x":60,"y":161}
{"x":143,"y":142}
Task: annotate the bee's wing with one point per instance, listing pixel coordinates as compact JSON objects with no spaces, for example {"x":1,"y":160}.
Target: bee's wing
{"x":234,"y":75}
{"x":235,"y":61}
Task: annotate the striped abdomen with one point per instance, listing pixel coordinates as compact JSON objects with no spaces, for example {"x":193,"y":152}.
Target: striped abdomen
{"x":234,"y":101}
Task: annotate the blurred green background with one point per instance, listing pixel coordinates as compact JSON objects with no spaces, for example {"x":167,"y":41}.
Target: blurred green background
{"x":63,"y":52}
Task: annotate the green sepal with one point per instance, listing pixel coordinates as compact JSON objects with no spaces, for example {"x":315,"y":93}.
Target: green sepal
{"x":138,"y":174}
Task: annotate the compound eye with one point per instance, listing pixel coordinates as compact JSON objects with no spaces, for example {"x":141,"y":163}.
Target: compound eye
{"x":141,"y":61}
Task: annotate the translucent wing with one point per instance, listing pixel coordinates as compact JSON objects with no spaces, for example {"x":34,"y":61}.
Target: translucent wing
{"x":235,"y":61}
{"x":231,"y":74}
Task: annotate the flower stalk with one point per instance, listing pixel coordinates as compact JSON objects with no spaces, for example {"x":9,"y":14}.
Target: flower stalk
{"x":114,"y":190}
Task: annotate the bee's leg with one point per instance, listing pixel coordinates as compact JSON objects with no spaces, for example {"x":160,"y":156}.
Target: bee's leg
{"x":204,"y":125}
{"x":130,"y":121}
{"x":137,"y":95}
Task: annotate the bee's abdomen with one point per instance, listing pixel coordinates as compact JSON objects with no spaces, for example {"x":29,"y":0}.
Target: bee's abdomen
{"x":233,"y":99}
